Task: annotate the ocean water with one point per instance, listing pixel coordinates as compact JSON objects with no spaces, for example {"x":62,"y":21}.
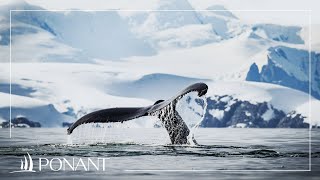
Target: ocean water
{"x":141,"y":153}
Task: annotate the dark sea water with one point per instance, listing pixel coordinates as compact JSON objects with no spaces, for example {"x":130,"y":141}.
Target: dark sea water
{"x":139,"y":153}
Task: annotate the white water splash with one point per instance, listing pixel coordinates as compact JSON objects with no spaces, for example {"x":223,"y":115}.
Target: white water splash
{"x":191,"y":140}
{"x":104,"y":133}
{"x":192,"y":113}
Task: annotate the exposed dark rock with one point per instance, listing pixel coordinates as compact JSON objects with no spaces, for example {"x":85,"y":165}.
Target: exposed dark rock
{"x":21,"y":122}
{"x":293,"y":120}
{"x":271,"y":73}
{"x":251,"y":115}
{"x":253,"y":73}
{"x":66,"y":124}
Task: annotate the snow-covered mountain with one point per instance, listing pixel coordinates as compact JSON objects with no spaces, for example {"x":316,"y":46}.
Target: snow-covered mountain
{"x":175,"y":24}
{"x":123,"y":58}
{"x":289,"y":67}
{"x":223,"y":22}
{"x":246,"y":104}
{"x":33,"y":109}
{"x":289,"y":34}
{"x":68,"y":35}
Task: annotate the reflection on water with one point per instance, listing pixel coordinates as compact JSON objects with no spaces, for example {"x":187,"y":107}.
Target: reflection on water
{"x":139,"y":152}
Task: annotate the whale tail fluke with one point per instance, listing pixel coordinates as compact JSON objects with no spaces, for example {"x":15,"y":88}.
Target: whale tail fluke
{"x":165,"y":110}
{"x":109,"y":115}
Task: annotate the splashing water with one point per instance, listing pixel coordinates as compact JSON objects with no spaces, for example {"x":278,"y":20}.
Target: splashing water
{"x":191,"y":140}
{"x":192,"y":109}
{"x":119,"y":133}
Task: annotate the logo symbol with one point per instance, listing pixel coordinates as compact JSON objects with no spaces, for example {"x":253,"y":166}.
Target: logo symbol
{"x":26,"y":166}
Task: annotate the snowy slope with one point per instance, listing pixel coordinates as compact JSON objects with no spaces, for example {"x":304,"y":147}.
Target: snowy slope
{"x":312,"y":38}
{"x":223,"y":60}
{"x":152,"y":86}
{"x":173,"y":24}
{"x":32,"y":39}
{"x":33,"y":109}
{"x":288,"y":34}
{"x":169,"y":26}
{"x":74,"y":90}
{"x":71,"y":88}
{"x":160,"y":19}
{"x":72,"y":35}
{"x":223,"y":22}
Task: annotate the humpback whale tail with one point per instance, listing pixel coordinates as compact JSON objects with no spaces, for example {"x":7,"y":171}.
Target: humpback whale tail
{"x":165,"y":110}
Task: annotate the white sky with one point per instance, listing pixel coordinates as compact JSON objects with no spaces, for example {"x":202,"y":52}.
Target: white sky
{"x":288,"y":18}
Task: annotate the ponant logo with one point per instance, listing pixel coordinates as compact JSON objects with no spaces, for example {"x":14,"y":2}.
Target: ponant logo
{"x":26,"y":166}
{"x":62,"y":164}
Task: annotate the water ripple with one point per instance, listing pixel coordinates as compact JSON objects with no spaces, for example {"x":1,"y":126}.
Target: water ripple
{"x":131,"y":149}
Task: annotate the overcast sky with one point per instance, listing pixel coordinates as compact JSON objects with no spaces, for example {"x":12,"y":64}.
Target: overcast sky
{"x":285,"y":17}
